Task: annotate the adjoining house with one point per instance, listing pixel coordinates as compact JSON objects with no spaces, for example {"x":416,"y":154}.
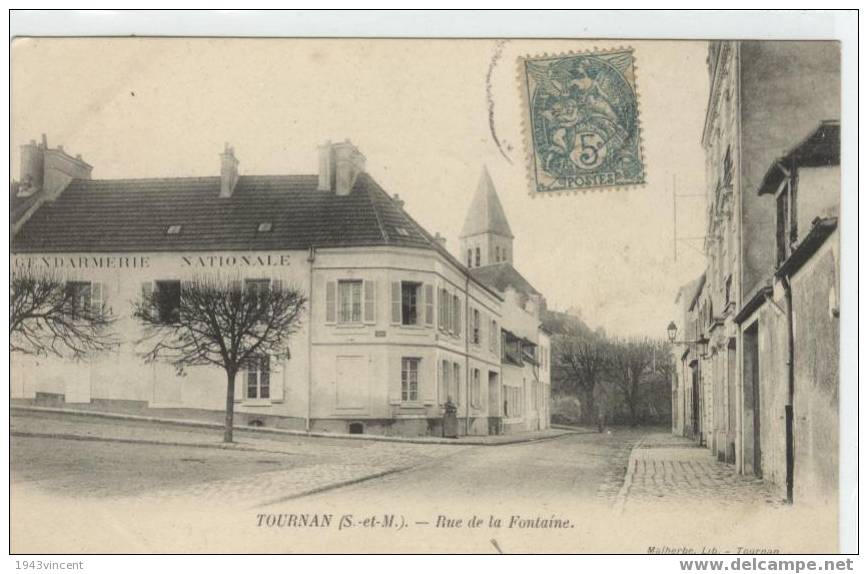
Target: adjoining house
{"x":790,"y":328}
{"x":395,"y":327}
{"x":773,"y":181}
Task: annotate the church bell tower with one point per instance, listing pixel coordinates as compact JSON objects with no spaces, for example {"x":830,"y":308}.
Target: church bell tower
{"x":486,"y":238}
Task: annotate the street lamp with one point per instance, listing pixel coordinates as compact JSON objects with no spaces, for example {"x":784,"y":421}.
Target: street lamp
{"x":672,"y":330}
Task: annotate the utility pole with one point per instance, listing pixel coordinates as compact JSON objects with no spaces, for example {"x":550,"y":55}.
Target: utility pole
{"x":675,"y":237}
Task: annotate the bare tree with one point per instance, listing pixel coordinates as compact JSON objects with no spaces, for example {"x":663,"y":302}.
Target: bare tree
{"x":634,"y":363}
{"x":214,"y":321}
{"x":581,"y":359}
{"x":50,"y":315}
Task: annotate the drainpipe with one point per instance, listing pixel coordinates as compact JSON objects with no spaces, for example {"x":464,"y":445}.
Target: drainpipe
{"x":311,"y":257}
{"x":787,"y":312}
{"x":467,"y":325}
{"x":791,"y":387}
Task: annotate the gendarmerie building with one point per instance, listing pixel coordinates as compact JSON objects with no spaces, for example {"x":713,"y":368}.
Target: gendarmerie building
{"x":394,"y":326}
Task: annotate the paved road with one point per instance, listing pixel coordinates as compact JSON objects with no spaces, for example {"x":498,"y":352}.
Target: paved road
{"x":88,"y":494}
{"x":584,"y":467}
{"x":90,"y":457}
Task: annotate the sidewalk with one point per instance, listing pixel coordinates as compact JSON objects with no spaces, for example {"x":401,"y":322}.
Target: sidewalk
{"x":666,"y":468}
{"x":265,"y":432}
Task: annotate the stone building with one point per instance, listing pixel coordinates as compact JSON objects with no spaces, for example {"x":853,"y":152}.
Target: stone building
{"x":395,"y":325}
{"x":790,"y":328}
{"x":765,"y":98}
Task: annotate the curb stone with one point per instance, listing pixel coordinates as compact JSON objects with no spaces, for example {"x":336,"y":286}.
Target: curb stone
{"x":466,"y":441}
{"x":632,"y":463}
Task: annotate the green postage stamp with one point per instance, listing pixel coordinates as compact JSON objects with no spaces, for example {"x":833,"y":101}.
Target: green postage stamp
{"x":583,"y":121}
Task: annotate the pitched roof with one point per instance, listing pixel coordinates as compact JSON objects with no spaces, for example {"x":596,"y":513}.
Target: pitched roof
{"x":499,"y":276}
{"x":135,"y":214}
{"x":821,"y":228}
{"x":19,"y":205}
{"x":486,"y":213}
{"x":821,"y":148}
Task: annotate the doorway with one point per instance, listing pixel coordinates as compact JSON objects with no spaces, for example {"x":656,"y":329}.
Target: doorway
{"x":494,"y":414}
{"x":752,"y":418}
{"x":695,"y":419}
{"x":730,"y":401}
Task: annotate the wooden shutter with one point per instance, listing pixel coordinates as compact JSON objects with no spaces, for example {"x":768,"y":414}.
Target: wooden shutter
{"x":240,"y":384}
{"x":457,"y":310}
{"x":370,"y":302}
{"x":441,"y":391}
{"x":396,"y":302}
{"x":440,"y":321}
{"x":395,"y":384}
{"x":277,"y":379}
{"x":429,"y":304}
{"x":96,"y":298}
{"x":331,"y":293}
{"x":147,"y":290}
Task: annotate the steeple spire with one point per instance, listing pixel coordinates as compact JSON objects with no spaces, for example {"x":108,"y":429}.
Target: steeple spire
{"x":486,"y":213}
{"x":486,"y":238}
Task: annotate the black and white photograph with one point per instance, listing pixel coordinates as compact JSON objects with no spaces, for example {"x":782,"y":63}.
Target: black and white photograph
{"x":432,"y":295}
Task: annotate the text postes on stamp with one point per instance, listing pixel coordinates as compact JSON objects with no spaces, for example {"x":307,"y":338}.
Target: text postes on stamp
{"x":583,"y":121}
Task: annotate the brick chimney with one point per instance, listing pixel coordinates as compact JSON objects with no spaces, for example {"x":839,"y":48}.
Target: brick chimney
{"x":440,"y":239}
{"x":32,"y":168}
{"x":339,"y":166}
{"x":47,"y":172}
{"x":49,"y":169}
{"x":228,"y":171}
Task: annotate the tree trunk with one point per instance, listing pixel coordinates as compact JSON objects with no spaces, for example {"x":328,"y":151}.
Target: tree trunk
{"x":589,"y":411}
{"x":230,"y":406}
{"x":634,"y":400}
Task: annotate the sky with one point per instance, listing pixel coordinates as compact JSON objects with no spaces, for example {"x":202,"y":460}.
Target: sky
{"x":422,"y":112}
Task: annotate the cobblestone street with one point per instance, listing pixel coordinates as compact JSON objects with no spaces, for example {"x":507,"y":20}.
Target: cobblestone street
{"x":664,"y":468}
{"x":158,"y":483}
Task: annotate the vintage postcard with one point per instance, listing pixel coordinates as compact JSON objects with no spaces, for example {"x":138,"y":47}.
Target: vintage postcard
{"x":343,"y":295}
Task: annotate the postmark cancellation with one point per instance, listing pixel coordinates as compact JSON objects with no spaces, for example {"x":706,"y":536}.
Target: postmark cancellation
{"x":582,"y":121}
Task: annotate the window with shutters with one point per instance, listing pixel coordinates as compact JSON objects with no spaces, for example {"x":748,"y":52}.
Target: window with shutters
{"x":493,"y":337}
{"x":258,"y":378}
{"x":410,"y":300}
{"x":470,"y":258}
{"x":257,"y":287}
{"x":787,"y":229}
{"x":478,"y":257}
{"x":476,"y":335}
{"x":429,"y":305}
{"x":409,"y":379}
{"x":168,"y":300}
{"x":534,"y":395}
{"x":446,"y":382}
{"x":512,"y":402}
{"x":445,"y":311}
{"x":476,"y":389}
{"x":78,"y":298}
{"x":350,"y":301}
{"x":497,"y":254}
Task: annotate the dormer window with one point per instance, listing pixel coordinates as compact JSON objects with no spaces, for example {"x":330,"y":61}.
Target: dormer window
{"x":264,"y":227}
{"x":402,"y":231}
{"x":173,"y":230}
